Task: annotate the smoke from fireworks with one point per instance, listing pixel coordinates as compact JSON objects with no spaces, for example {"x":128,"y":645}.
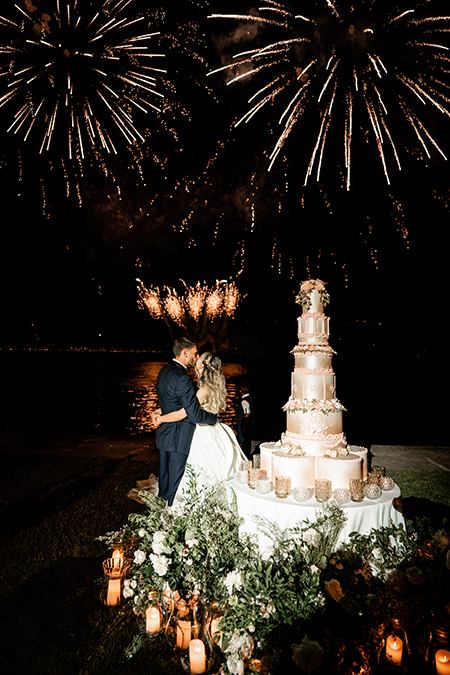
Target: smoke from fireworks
{"x":79,"y":75}
{"x":365,"y":64}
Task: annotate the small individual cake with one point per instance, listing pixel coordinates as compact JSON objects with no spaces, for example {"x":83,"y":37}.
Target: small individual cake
{"x":363,"y":453}
{"x":300,"y":468}
{"x":339,"y":469}
{"x":266,"y":450}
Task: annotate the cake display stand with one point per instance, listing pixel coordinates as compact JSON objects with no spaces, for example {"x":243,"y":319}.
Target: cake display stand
{"x":287,"y":513}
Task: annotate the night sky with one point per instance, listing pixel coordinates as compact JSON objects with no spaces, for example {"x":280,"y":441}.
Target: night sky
{"x":195,"y":200}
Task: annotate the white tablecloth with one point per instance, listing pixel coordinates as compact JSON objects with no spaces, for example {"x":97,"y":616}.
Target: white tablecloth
{"x":361,"y":517}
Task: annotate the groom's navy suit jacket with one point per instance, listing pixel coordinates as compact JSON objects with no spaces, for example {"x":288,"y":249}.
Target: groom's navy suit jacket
{"x":176,"y":390}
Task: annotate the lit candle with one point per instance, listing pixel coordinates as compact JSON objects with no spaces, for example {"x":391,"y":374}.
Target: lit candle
{"x":113,"y":594}
{"x":117,"y":553}
{"x":183,"y":634}
{"x":197,"y":658}
{"x":394,"y":648}
{"x":152,"y":620}
{"x":442,"y":658}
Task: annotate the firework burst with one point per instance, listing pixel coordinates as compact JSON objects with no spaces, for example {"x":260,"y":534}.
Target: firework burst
{"x":78,"y":74}
{"x":199,"y":303}
{"x":203,"y":311}
{"x":364,"y":66}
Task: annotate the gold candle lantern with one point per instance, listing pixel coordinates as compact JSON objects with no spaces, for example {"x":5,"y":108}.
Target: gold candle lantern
{"x":282,"y":486}
{"x":322,"y":489}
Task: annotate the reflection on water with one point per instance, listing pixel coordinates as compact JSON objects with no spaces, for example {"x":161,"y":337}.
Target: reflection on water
{"x":82,"y":392}
{"x":139,"y":391}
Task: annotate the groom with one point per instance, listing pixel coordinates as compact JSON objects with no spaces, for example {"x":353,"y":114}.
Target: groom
{"x":176,"y":390}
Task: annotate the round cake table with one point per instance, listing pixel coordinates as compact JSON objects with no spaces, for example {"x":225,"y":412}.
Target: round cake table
{"x":286,"y":513}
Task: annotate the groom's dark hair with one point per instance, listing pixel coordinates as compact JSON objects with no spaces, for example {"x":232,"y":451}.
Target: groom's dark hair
{"x":182,"y":343}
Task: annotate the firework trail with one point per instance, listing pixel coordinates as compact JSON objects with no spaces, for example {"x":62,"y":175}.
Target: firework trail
{"x":357,"y":65}
{"x":78,"y":74}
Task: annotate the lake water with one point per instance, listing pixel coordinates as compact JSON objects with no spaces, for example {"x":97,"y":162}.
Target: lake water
{"x":389,"y":400}
{"x":84,"y":392}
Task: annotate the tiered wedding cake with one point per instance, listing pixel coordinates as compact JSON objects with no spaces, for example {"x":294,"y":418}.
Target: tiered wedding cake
{"x":314,"y":445}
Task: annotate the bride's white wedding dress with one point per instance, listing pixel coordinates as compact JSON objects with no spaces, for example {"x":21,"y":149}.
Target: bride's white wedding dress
{"x":215,"y":455}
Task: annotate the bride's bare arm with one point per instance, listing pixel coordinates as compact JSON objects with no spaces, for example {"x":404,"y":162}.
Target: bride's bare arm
{"x":177,"y":415}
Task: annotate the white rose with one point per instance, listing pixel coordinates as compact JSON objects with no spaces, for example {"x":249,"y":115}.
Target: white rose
{"x":139,"y":557}
{"x":235,"y":665}
{"x":233,"y":580}
{"x":267,"y":553}
{"x":127,"y":590}
{"x":160,"y":564}
{"x":159,"y":545}
{"x":142,"y":533}
{"x":311,"y":536}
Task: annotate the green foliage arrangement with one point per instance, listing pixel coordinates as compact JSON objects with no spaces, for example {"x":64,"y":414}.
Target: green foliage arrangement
{"x":273,"y":602}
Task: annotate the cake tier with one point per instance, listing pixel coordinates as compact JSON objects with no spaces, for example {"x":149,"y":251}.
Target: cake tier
{"x":313,"y":384}
{"x":301,"y":470}
{"x":316,"y":446}
{"x":312,"y":361}
{"x":313,"y":329}
{"x":364,"y":454}
{"x":315,"y":299}
{"x":313,"y":424}
{"x":339,"y":469}
{"x":266,"y":450}
{"x":313,"y":356}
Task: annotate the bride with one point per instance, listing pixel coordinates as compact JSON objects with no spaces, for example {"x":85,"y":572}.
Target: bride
{"x":215,"y":454}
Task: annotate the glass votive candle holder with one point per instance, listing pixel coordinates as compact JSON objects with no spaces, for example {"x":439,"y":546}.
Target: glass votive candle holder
{"x":246,"y":464}
{"x":372,"y":491}
{"x":301,"y":494}
{"x":282,"y":486}
{"x":387,"y":483}
{"x":341,"y":495}
{"x":356,"y":489}
{"x":242,"y":476}
{"x":322,"y":489}
{"x":256,"y":459}
{"x":263,"y":486}
{"x":381,"y":470}
{"x":373,"y":477}
{"x":253,"y":477}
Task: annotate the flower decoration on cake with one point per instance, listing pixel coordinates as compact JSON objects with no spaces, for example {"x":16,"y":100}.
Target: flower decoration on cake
{"x":337,"y":452}
{"x":307,"y":287}
{"x":290,"y":449}
{"x":318,"y":350}
{"x":313,"y":405}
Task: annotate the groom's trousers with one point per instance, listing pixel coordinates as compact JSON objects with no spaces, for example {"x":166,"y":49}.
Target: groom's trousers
{"x":171,"y":470}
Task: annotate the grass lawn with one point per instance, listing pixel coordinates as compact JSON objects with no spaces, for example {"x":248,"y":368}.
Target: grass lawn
{"x":52,"y":511}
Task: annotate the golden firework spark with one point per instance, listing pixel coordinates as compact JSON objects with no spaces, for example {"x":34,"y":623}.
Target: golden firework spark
{"x":199,"y":302}
{"x":366,"y":59}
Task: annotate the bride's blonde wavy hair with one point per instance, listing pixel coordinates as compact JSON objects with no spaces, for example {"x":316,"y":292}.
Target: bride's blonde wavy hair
{"x":212,"y":378}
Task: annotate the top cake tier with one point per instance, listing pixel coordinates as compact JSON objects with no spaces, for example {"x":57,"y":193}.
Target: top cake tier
{"x":316,"y":306}
{"x":313,"y":325}
{"x":313,"y":296}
